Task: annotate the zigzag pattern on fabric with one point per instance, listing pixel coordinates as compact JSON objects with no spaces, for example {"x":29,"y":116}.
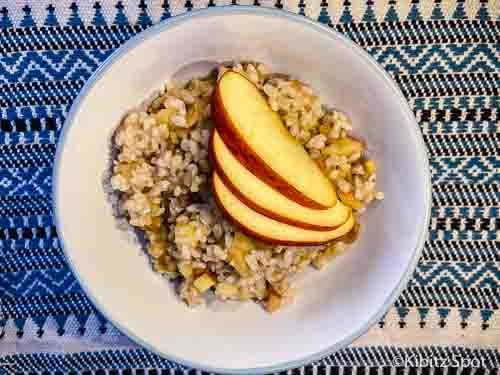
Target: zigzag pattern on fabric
{"x":433,"y":62}
{"x":139,"y":358}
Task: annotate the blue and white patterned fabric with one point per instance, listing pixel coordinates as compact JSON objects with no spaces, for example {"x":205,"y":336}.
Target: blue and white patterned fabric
{"x":445,"y":56}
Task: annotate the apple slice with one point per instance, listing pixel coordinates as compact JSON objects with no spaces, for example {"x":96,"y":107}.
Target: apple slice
{"x":267,"y":229}
{"x":257,"y":137}
{"x":260,"y":197}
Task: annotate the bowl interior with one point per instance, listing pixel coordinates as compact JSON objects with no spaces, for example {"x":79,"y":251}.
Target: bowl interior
{"x":332,"y":306}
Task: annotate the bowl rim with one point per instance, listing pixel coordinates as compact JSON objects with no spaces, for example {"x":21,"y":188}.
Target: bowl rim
{"x":306,"y":22}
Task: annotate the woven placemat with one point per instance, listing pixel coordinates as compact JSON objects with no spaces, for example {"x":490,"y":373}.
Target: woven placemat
{"x":445,"y":56}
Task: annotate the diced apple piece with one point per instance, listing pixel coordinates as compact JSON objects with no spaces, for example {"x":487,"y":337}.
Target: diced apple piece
{"x":163,"y":116}
{"x":268,"y":230}
{"x":157,"y":249}
{"x":282,"y":287}
{"x":349,"y":200}
{"x":204,"y":282}
{"x":245,"y":294}
{"x":262,"y":291}
{"x":239,"y":249}
{"x":262,"y":198}
{"x":344,"y":147}
{"x":193,"y":114}
{"x":243,"y":242}
{"x":257,"y":137}
{"x":198,"y":272}
{"x":185,"y":234}
{"x":186,"y":270}
{"x":237,"y":260}
{"x":164,"y":265}
{"x":227,"y":290}
{"x":155,"y":224}
{"x":273,"y":302}
{"x":370,"y":167}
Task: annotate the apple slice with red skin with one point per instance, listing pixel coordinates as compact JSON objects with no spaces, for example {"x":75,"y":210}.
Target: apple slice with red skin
{"x":257,"y":137}
{"x":260,"y":197}
{"x":266,"y":229}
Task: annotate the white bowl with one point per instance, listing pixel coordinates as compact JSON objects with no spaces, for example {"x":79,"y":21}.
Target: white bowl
{"x":334,"y":306}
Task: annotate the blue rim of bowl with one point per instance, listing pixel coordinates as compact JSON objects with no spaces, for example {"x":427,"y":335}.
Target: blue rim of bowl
{"x":250,"y":10}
